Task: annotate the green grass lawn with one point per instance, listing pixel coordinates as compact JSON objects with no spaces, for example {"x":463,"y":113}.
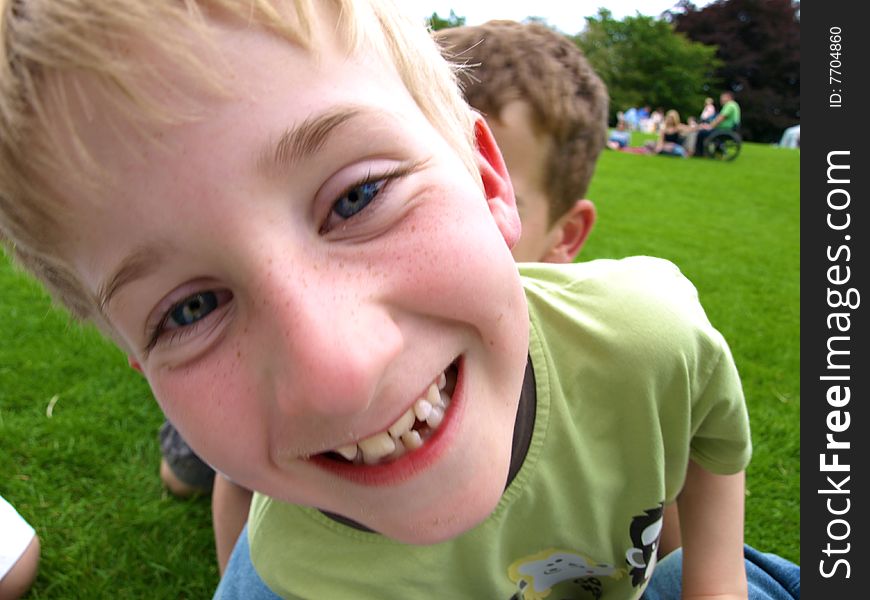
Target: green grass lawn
{"x":84,"y":473}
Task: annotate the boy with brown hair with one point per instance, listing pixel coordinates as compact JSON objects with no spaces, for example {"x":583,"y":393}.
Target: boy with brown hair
{"x":287,"y":217}
{"x":547,"y":108}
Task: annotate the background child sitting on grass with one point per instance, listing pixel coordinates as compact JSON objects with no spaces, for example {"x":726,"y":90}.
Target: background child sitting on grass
{"x":547,"y":108}
{"x":289,"y":219}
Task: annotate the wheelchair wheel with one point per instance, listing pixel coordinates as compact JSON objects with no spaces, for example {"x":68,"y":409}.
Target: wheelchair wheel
{"x":722,"y":145}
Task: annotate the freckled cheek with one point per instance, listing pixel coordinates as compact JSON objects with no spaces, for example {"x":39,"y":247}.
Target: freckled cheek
{"x":450,"y":234}
{"x":208,"y":404}
{"x":451,"y":262}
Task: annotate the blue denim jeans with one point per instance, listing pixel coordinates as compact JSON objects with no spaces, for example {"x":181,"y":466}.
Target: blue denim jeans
{"x":770,"y":577}
{"x":240,"y":580}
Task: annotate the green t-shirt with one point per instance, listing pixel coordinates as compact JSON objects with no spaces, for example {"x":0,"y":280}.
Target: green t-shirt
{"x":631,"y":381}
{"x":731,"y":115}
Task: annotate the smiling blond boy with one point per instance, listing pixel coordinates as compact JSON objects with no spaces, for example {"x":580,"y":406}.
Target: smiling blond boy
{"x":287,"y":217}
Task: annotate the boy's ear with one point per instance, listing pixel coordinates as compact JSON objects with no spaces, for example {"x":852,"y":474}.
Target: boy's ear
{"x":134,"y":364}
{"x":571,"y":231}
{"x":496,"y":183}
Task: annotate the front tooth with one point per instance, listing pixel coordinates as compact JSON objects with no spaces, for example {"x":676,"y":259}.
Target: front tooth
{"x":433,"y":395}
{"x":412,"y":440}
{"x":422,"y":409}
{"x":349,"y":451}
{"x":436,"y":417}
{"x":376,"y":447}
{"x":405,"y":422}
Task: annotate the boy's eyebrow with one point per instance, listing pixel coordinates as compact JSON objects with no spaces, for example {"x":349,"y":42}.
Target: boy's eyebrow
{"x":310,"y":135}
{"x":298,"y":141}
{"x":139,"y":263}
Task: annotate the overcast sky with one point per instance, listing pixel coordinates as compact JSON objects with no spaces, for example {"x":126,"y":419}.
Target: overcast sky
{"x":566,"y":15}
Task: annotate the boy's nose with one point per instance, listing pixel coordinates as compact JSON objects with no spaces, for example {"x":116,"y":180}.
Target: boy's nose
{"x":331,"y":346}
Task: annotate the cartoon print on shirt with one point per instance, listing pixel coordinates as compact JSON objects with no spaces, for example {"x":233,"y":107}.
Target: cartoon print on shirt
{"x":536,"y":575}
{"x":645,"y":531}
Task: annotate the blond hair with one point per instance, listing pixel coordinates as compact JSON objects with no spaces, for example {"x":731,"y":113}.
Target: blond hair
{"x":508,"y":61}
{"x":46,"y":44}
{"x":672,"y":118}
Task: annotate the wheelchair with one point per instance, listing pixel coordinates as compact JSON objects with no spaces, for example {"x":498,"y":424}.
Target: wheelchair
{"x":723,"y":144}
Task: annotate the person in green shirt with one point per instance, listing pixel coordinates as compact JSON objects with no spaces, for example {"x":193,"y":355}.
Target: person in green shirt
{"x":728,"y":119}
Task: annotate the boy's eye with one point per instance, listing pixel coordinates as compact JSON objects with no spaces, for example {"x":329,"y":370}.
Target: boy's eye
{"x":367,"y":194}
{"x":189,"y":317}
{"x":192,"y":309}
{"x":357,"y":198}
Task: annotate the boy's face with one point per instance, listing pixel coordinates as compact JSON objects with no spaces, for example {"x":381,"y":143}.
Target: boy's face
{"x":293,"y":270}
{"x":525,"y":152}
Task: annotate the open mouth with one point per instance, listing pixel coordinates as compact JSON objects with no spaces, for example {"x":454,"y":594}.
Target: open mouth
{"x":409,"y":432}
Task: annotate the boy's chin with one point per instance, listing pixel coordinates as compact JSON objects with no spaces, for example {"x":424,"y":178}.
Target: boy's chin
{"x":453,"y":500}
{"x":450,"y":519}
